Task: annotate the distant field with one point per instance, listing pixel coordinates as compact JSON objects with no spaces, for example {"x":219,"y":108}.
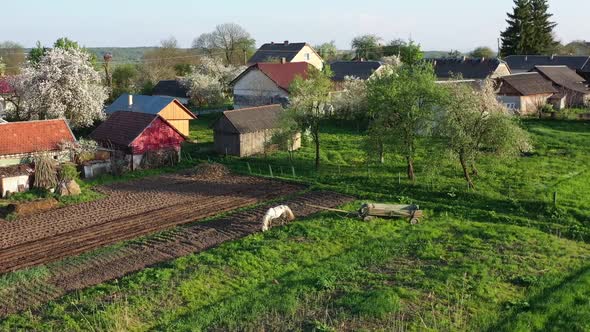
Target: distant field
{"x":500,"y":258}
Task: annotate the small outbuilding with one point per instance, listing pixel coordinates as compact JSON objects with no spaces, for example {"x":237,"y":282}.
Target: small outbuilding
{"x":573,"y":91}
{"x":249,"y":131}
{"x":168,"y":108}
{"x":137,"y":134}
{"x":525,"y":93}
{"x":172,"y":89}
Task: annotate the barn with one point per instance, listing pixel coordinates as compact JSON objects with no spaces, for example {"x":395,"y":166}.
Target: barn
{"x":248,"y":131}
{"x":138,"y":134}
{"x":168,"y":108}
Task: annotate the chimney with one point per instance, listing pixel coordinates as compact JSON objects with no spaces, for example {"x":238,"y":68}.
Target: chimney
{"x":283,"y":60}
{"x":483,"y":59}
{"x":286,"y":42}
{"x":552,"y":57}
{"x":464,"y":58}
{"x":526,"y":58}
{"x":130,"y":101}
{"x":272,"y":43}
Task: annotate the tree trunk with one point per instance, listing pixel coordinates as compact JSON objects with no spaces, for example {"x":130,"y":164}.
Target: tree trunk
{"x":381,"y":152}
{"x":466,"y":172}
{"x":474,"y":170}
{"x":317,"y":153}
{"x":411,"y":175}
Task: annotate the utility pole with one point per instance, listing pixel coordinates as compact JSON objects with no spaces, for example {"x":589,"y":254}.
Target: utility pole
{"x":107,"y":70}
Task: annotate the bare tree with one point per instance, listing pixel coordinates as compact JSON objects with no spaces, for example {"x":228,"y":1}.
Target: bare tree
{"x":230,"y":39}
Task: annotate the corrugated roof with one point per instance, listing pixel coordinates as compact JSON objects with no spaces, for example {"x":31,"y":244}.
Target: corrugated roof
{"x":33,"y":136}
{"x":467,"y":68}
{"x":172,"y":88}
{"x":143,"y":104}
{"x":247,"y":120}
{"x":563,"y":76}
{"x":358,"y":69}
{"x":277,"y":51}
{"x":528,"y":84}
{"x":528,"y":62}
{"x":123,"y":127}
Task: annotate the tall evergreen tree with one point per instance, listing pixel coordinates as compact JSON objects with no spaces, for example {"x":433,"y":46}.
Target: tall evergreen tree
{"x":529,"y":30}
{"x":543,"y":42}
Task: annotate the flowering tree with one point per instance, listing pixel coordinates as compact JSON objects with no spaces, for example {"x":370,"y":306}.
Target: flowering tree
{"x":62,"y":85}
{"x":351,"y":103}
{"x":473,"y":123}
{"x":209,"y":82}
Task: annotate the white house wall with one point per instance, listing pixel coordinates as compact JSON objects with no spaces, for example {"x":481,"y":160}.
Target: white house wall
{"x":256,"y":89}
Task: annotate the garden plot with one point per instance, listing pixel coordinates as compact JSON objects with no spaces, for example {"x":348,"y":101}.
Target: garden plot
{"x":131,"y":209}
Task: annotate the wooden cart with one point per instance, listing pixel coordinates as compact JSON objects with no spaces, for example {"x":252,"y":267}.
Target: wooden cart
{"x":370,"y":210}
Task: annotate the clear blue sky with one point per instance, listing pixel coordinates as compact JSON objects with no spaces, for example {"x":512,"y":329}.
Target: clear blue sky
{"x":436,"y":24}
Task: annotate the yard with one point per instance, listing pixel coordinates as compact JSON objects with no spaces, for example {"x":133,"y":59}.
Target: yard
{"x":501,"y":257}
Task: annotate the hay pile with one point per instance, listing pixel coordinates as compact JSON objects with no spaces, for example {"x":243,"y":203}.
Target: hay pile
{"x":208,"y":171}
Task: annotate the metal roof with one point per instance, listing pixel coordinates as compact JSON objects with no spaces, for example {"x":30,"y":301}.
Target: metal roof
{"x":248,"y":120}
{"x":358,"y":69}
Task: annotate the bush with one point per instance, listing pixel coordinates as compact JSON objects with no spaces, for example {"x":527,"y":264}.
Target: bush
{"x":547,"y":108}
{"x":68,"y":172}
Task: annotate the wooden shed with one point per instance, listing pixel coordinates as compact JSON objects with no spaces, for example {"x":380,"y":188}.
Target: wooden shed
{"x":248,"y":131}
{"x":136,"y":134}
{"x":170,"y":109}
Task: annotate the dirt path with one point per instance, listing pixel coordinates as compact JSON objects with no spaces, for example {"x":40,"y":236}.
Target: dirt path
{"x":72,"y":275}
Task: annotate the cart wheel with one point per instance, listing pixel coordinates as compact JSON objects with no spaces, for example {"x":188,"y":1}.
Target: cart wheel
{"x":414,"y":221}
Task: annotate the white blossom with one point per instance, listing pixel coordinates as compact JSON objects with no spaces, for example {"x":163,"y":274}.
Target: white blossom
{"x":209,"y":82}
{"x":62,"y":85}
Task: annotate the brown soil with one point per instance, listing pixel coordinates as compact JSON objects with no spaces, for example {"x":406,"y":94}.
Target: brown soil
{"x":70,"y":275}
{"x":130,"y":210}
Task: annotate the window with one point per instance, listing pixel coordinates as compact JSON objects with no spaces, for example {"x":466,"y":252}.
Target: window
{"x":307,"y":56}
{"x":510,"y":106}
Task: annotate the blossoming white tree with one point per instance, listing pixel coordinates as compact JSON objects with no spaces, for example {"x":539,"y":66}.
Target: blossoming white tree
{"x":62,"y":85}
{"x":209,"y":81}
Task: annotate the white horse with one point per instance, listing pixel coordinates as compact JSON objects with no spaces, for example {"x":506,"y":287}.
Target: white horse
{"x":281,"y":211}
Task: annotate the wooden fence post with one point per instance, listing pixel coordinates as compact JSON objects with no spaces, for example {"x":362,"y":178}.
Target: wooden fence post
{"x":249,"y":168}
{"x":293,"y":170}
{"x":555,"y":198}
{"x":270,"y":171}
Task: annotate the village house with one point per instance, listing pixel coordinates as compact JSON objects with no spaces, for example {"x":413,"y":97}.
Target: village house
{"x":287,"y":52}
{"x":474,"y":70}
{"x":170,"y":109}
{"x":525,"y":93}
{"x":266,"y":83}
{"x":355,"y":69}
{"x":21,"y":142}
{"x":172,"y":89}
{"x":572,"y":90}
{"x":248,"y":131}
{"x":135,"y":134}
{"x":525,"y":63}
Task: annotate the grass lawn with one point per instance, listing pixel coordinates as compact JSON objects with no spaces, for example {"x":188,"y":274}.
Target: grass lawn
{"x":499,"y":258}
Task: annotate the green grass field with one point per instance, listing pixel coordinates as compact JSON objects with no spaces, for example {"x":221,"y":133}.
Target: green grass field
{"x":499,"y":258}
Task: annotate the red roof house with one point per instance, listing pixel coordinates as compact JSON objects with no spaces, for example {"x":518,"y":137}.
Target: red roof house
{"x":22,"y":139}
{"x":138,"y":133}
{"x":267,"y":83}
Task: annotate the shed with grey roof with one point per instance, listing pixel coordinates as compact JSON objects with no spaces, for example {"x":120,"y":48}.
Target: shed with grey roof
{"x":249,"y":131}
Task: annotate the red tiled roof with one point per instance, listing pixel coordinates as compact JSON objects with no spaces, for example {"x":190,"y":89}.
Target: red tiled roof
{"x":283,"y":74}
{"x":33,"y":136}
